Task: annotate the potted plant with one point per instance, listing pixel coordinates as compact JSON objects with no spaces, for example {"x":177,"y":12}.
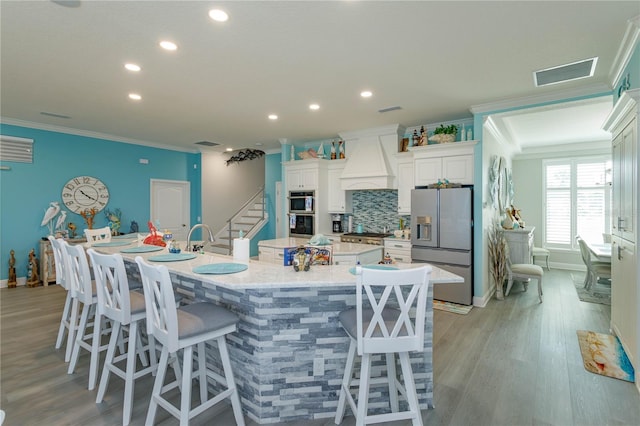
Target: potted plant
{"x":444,"y":134}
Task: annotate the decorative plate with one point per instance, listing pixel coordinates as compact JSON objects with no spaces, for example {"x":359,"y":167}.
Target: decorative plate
{"x":220,"y":268}
{"x":124,"y":237}
{"x":112,"y":244}
{"x":141,"y":249}
{"x":382,"y":267}
{"x":172,"y":257}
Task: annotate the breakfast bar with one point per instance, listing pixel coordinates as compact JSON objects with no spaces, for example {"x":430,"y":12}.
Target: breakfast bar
{"x":289,"y":351}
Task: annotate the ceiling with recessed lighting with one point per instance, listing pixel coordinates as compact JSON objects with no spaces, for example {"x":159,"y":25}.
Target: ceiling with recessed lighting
{"x":252,"y":79}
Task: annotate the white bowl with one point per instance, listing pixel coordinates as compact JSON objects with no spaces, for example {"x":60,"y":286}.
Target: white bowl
{"x":398,"y":233}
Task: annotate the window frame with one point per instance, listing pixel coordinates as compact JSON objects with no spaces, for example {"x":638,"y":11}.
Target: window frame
{"x":573,"y":189}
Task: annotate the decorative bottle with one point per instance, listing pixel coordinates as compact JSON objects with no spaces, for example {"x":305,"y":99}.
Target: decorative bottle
{"x":292,"y":153}
{"x":463,"y":135}
{"x":469,"y":134}
{"x":341,"y":148}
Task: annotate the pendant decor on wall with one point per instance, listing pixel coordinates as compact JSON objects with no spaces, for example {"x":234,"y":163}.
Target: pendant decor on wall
{"x":245,"y":154}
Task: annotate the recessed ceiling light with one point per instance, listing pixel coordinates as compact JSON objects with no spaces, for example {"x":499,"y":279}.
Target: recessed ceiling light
{"x":135,"y":96}
{"x":167,"y":45}
{"x":366,"y":94}
{"x":273,"y":117}
{"x":218,"y":15}
{"x":229,"y":149}
{"x":132,"y":67}
{"x":314,"y":106}
{"x":259,"y":144}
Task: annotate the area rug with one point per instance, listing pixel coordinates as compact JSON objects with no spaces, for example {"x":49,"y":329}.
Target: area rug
{"x":451,"y":307}
{"x":601,"y":293}
{"x":603,"y":354}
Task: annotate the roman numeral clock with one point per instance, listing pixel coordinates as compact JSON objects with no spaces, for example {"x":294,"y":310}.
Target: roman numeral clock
{"x":84,"y":193}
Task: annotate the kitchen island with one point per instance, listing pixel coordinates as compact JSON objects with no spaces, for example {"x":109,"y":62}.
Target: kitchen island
{"x":289,"y":352}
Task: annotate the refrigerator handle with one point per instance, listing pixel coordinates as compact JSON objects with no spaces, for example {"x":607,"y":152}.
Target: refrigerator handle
{"x":423,"y":224}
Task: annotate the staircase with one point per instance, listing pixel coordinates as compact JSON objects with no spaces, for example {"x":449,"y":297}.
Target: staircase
{"x":249,"y":219}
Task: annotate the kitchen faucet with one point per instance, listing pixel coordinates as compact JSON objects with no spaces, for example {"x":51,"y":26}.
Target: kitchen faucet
{"x":193,"y":228}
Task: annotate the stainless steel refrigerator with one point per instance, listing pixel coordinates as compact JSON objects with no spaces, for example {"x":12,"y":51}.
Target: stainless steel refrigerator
{"x":442,"y":234}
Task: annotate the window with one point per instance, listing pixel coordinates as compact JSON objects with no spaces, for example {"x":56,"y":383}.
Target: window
{"x":577,"y":194}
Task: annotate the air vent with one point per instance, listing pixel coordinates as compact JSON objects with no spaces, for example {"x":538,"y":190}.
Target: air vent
{"x":564,"y":73}
{"x":393,"y":108}
{"x":19,"y":150}
{"x":207,"y":143}
{"x":51,"y":114}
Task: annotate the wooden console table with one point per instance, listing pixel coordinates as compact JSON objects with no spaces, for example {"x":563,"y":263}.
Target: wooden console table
{"x":520,"y":242}
{"x":47,"y":262}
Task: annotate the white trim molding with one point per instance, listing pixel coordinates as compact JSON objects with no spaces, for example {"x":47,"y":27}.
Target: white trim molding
{"x":628,"y":45}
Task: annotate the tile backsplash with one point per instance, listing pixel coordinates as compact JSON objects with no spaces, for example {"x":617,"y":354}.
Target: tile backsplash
{"x":376,"y":209}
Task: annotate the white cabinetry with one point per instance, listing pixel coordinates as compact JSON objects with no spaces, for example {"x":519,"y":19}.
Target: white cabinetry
{"x":405,"y":182}
{"x":624,"y":125}
{"x":453,"y":161}
{"x":398,"y":249}
{"x":365,"y":258}
{"x":520,"y":243}
{"x":302,"y":175}
{"x":339,"y":200}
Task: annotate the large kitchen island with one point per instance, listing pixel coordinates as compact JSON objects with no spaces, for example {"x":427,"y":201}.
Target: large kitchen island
{"x":289,"y":351}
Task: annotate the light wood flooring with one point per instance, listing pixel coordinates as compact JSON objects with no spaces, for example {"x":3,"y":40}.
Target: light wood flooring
{"x":515,"y":362}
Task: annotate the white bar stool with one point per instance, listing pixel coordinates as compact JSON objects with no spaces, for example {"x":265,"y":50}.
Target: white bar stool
{"x":125,"y":309}
{"x":384,"y":326}
{"x":68,"y":322}
{"x":83,"y":289}
{"x":100,"y":235}
{"x":182,"y":329}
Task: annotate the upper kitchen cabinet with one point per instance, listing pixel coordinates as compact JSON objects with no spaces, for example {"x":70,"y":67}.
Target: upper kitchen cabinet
{"x":623,"y":125}
{"x":339,"y":200}
{"x":451,"y":161}
{"x":405,"y":176}
{"x":302,"y":175}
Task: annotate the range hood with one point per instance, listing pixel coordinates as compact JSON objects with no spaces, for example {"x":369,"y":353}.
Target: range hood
{"x":367,"y":165}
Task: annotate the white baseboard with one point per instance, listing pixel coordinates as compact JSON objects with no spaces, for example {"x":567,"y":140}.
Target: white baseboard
{"x":20,"y":281}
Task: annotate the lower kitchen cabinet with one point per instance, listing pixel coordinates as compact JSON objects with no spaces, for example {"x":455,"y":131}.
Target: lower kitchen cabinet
{"x":399,"y":250}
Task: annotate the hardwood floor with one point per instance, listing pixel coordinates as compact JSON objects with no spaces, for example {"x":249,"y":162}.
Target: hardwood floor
{"x":515,"y":362}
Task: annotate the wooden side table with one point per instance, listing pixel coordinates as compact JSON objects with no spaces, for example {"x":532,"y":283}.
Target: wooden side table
{"x":520,"y":242}
{"x":47,"y":262}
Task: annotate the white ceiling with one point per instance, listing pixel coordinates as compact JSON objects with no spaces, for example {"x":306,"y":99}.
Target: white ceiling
{"x":434,"y":59}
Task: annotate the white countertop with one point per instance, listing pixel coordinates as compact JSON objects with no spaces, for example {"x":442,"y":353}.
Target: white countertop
{"x":263,"y":275}
{"x":337,"y":246}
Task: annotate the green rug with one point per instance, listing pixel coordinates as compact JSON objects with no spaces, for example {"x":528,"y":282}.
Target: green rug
{"x":603,"y":354}
{"x":601,"y":293}
{"x":451,"y":307}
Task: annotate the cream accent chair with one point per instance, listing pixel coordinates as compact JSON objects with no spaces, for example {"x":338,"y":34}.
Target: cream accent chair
{"x":524,"y":272}
{"x":541,"y":252}
{"x":382,"y":325}
{"x":100,"y":235}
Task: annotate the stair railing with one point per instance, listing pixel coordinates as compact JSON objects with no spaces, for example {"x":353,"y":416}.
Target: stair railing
{"x":241,"y":210}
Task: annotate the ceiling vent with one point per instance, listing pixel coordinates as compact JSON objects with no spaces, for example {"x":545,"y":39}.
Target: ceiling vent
{"x":16,"y":149}
{"x":207,"y":143}
{"x":564,"y":73}
{"x":388,"y":109}
{"x":51,"y":114}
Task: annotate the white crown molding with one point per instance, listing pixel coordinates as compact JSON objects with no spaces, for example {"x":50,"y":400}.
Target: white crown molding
{"x":89,"y":134}
{"x":565,"y":150}
{"x":500,"y":134}
{"x":627,"y":102}
{"x":628,"y":45}
{"x":561,"y":95}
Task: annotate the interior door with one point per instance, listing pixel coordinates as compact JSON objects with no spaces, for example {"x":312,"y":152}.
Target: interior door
{"x":170,"y":206}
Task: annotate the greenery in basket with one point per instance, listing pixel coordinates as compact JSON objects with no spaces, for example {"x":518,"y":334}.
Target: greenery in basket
{"x":447,"y":130}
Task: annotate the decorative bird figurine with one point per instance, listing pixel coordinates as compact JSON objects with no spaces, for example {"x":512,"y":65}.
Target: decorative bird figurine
{"x":50,"y":213}
{"x":60,"y":221}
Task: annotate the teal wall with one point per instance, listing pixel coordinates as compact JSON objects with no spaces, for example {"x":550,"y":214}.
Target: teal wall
{"x":633,"y":70}
{"x":27,"y":189}
{"x":272,"y":174}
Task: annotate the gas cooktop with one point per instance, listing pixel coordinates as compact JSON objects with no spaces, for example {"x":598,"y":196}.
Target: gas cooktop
{"x":373,"y":238}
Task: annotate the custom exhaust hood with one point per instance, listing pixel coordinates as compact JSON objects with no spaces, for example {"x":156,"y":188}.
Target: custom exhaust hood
{"x":368,"y":152}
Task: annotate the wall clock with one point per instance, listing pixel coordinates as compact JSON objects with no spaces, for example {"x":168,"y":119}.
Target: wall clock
{"x":84,"y":193}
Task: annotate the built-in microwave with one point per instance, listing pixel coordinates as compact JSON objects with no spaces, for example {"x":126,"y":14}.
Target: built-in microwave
{"x":301,"y":225}
{"x":302,"y":202}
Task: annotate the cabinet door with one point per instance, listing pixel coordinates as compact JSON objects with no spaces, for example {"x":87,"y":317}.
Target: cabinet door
{"x":427,"y":171}
{"x":405,"y":185}
{"x":266,"y":254}
{"x":337,"y":197}
{"x":628,"y":190}
{"x":294,"y":180}
{"x":309,"y":178}
{"x":343,"y":259}
{"x":624,"y":296}
{"x":458,"y":169}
